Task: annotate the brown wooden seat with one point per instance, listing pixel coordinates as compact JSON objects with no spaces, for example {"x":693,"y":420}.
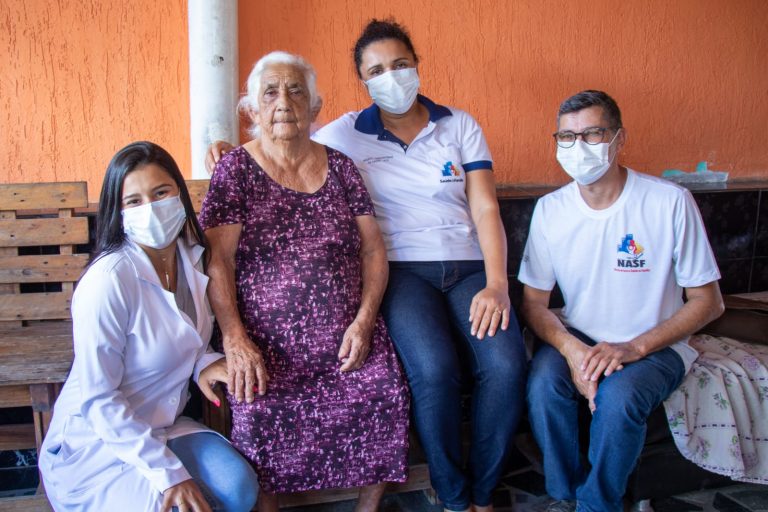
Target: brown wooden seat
{"x":197,"y":190}
{"x":38,"y":269}
{"x":36,"y":503}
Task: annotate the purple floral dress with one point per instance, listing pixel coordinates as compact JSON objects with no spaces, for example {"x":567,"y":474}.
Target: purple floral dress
{"x":299,"y":287}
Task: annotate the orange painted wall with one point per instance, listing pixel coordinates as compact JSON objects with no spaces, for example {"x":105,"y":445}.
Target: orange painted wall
{"x":691,"y":76}
{"x":80,"y":79}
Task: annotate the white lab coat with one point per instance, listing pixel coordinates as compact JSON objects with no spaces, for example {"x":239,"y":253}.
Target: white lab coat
{"x":134,"y":353}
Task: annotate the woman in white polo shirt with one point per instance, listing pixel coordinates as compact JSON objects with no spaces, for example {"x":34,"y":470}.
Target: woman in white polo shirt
{"x":429,"y":172}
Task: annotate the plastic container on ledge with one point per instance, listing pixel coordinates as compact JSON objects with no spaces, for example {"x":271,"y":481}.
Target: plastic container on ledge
{"x":701,"y":175}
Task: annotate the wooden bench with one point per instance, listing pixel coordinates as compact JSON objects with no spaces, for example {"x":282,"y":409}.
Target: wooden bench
{"x":38,"y":269}
{"x":219,"y":419}
{"x":35,"y":323}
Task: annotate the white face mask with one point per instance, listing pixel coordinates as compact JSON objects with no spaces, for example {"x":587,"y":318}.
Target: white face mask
{"x":394,"y":91}
{"x":586,"y":163}
{"x":155,"y":224}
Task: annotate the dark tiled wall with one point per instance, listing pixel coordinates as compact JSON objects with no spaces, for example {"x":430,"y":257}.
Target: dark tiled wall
{"x":736,"y":222}
{"x":759,"y":279}
{"x":18,"y":472}
{"x":731,"y":221}
{"x":18,"y":468}
{"x":516,"y":215}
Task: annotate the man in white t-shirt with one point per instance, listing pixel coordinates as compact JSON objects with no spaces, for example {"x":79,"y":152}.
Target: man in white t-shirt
{"x":622,"y":246}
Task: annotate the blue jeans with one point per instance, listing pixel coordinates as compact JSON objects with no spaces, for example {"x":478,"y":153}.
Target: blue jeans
{"x":624,"y":401}
{"x":226,"y":479}
{"x":423,"y":303}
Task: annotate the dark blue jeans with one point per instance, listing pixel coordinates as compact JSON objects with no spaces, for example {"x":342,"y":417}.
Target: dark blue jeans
{"x":424,"y":302}
{"x":624,"y":401}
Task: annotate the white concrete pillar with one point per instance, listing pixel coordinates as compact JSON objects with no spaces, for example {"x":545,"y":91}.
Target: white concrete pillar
{"x":213,"y":77}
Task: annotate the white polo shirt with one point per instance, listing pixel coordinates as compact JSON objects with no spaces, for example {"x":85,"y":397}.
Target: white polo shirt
{"x":622,"y":270}
{"x":418,"y":191}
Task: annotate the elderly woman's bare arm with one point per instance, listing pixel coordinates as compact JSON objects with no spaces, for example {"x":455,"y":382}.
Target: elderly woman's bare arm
{"x":373,"y":259}
{"x":245,"y":365}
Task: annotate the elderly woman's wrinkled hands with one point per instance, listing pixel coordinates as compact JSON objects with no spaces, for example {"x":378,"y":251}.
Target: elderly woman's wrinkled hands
{"x":490,"y":308}
{"x":246,"y":371}
{"x":214,"y":154}
{"x":355,"y":345}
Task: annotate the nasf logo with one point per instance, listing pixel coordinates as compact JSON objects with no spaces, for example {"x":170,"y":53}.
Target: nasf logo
{"x":628,"y":245}
{"x":630,"y":255}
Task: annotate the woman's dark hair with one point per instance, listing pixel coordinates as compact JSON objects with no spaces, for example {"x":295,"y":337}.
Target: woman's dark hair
{"x":109,"y":220}
{"x":379,"y":30}
{"x":592,"y":98}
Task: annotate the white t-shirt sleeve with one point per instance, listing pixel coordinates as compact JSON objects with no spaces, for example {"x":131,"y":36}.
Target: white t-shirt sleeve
{"x":474,"y":148}
{"x":536,"y":269}
{"x":695,"y":264}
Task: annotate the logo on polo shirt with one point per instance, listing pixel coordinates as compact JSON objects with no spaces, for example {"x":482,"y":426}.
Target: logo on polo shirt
{"x":630,"y":255}
{"x":450,"y":171}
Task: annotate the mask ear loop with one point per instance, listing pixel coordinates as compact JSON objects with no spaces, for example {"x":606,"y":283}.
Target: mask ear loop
{"x":610,"y":161}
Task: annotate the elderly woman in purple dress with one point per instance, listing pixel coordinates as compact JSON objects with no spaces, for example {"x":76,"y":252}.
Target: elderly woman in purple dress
{"x":298,"y":269}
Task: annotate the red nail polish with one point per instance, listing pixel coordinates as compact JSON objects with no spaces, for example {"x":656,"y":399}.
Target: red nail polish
{"x":218,"y":403}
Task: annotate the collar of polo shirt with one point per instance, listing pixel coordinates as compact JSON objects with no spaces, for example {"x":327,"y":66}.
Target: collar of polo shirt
{"x":369,"y":120}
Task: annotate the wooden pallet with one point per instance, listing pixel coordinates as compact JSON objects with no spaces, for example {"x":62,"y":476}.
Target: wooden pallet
{"x":35,"y":296}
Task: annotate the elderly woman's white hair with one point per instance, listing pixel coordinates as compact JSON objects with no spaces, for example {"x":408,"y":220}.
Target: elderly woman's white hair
{"x":250,"y":101}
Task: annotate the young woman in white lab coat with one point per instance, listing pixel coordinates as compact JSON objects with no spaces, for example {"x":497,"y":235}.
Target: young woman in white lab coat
{"x":141,"y":328}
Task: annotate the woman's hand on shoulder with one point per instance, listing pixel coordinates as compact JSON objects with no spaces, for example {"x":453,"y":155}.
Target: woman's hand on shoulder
{"x":355,"y":345}
{"x":214,"y":154}
{"x":489,"y":310}
{"x":246,"y":371}
{"x":186,"y":497}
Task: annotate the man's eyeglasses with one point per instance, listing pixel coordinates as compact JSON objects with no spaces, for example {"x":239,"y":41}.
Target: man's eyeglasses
{"x":592,"y":136}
